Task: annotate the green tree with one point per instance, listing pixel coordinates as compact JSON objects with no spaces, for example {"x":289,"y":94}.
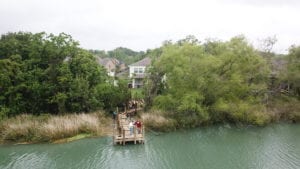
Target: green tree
{"x":293,"y":70}
{"x":216,"y":80}
{"x":43,"y":73}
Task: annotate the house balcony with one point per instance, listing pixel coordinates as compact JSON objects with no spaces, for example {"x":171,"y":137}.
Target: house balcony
{"x":138,"y":75}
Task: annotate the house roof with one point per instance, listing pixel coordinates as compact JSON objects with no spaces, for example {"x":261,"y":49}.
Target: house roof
{"x":144,"y":62}
{"x":123,"y":73}
{"x":104,"y":61}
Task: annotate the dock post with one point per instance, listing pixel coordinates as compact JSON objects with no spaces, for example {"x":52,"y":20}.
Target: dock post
{"x":143,"y":134}
{"x":123,"y":137}
{"x":134,"y":131}
{"x":114,"y":133}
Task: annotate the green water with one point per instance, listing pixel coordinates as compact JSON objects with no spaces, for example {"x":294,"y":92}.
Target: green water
{"x":219,"y":147}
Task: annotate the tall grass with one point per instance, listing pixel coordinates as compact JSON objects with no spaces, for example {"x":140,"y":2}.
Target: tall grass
{"x":158,"y":120}
{"x":28,"y":128}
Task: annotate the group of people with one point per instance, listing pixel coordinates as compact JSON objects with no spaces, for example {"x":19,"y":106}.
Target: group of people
{"x":132,"y":106}
{"x":137,"y":124}
{"x":132,"y":123}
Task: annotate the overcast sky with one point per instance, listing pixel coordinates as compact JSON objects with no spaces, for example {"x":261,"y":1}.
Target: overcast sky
{"x":141,"y":24}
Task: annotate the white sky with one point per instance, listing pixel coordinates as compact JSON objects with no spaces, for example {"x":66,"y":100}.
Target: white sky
{"x":141,"y":24}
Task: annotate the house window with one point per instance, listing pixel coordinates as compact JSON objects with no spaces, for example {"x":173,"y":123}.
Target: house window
{"x":141,"y":70}
{"x":138,"y":70}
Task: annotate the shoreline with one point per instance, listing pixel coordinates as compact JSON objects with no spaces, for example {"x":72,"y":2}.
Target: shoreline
{"x":157,"y":123}
{"x":59,"y":141}
{"x":87,"y":136}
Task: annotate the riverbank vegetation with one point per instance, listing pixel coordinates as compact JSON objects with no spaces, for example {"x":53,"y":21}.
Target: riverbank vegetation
{"x":197,"y":83}
{"x":48,"y":128}
{"x":158,"y":120}
{"x":189,"y":84}
{"x":47,"y":74}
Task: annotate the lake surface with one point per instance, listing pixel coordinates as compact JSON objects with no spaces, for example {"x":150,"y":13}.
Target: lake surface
{"x":220,"y":147}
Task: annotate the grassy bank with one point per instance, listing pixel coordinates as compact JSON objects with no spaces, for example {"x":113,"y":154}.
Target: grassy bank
{"x":158,"y":120}
{"x":64,"y":128}
{"x":283,"y":109}
{"x":49,"y":128}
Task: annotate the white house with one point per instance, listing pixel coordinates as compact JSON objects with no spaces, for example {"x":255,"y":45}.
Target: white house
{"x":137,"y":72}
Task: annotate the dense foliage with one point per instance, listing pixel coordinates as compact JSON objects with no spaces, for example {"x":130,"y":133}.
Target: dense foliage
{"x":42,"y":73}
{"x":214,"y":81}
{"x":293,"y":70}
{"x":191,"y":83}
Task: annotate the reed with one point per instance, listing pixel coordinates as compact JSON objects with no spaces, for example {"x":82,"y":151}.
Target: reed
{"x":28,"y":128}
{"x":158,"y":120}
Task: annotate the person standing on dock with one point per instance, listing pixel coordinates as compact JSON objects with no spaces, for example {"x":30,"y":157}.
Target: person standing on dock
{"x":131,"y":127}
{"x":138,"y":125}
{"x":115,"y":113}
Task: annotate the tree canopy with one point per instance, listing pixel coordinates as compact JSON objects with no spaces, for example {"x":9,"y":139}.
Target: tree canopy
{"x":293,"y":70}
{"x":44,"y":73}
{"x":210,"y":81}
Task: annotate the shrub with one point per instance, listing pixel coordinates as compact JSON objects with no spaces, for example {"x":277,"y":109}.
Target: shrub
{"x":286,"y":108}
{"x":235,"y":111}
{"x":259,"y":118}
{"x":294,"y":116}
{"x":3,"y":112}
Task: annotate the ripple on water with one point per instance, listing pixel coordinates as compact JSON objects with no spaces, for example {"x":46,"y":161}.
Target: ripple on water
{"x":272,"y":147}
{"x":30,"y":160}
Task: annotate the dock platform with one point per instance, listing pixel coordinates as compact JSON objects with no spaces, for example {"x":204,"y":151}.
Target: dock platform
{"x":121,"y":132}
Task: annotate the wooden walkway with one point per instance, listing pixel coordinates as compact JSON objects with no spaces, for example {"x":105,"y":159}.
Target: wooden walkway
{"x":121,"y":134}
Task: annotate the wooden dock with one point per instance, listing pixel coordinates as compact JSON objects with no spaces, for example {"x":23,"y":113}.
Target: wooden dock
{"x":121,"y":132}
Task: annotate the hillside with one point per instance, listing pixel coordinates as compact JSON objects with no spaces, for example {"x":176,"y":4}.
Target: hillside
{"x":125,"y":55}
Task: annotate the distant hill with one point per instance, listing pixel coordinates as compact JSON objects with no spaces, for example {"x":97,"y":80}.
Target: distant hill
{"x":125,"y":55}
